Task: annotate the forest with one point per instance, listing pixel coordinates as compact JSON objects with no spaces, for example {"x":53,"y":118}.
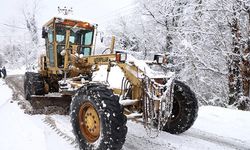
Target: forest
{"x":207,"y":43}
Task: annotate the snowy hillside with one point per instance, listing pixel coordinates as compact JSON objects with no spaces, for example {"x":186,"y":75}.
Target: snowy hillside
{"x":215,"y":128}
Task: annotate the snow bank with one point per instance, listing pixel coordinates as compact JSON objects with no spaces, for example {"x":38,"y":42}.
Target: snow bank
{"x":16,"y":128}
{"x":7,"y":93}
{"x":16,"y":71}
{"x":19,"y":131}
{"x":225,"y":122}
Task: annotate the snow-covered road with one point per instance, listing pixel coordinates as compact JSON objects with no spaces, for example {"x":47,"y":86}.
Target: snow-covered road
{"x":20,"y":131}
{"x":215,"y":128}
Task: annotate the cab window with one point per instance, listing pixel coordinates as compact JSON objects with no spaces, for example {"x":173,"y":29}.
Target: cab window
{"x":85,"y":51}
{"x":88,"y":38}
{"x":50,"y":36}
{"x":60,"y":35}
{"x":51,"y":56}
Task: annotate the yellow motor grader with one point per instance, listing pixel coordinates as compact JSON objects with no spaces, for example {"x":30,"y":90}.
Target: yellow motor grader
{"x":148,"y":92}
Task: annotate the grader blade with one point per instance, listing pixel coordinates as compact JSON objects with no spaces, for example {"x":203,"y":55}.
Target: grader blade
{"x":51,"y":103}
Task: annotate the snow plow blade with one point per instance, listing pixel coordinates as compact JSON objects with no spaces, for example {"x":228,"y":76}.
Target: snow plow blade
{"x":50,"y":104}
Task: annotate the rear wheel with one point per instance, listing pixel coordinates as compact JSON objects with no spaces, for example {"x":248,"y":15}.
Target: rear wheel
{"x":185,"y":109}
{"x":97,"y":118}
{"x":33,"y":85}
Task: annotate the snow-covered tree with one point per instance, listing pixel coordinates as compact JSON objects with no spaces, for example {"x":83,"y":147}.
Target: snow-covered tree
{"x":21,"y":43}
{"x":31,"y":43}
{"x":197,"y":36}
{"x":239,"y":63}
{"x":191,"y":34}
{"x":30,"y":17}
{"x":207,"y":42}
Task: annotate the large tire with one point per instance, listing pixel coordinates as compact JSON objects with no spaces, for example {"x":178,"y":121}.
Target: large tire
{"x":185,"y":109}
{"x":27,"y":89}
{"x":33,"y":85}
{"x":107,"y":129}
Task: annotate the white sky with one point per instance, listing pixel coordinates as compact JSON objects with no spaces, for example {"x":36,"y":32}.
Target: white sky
{"x":94,"y":11}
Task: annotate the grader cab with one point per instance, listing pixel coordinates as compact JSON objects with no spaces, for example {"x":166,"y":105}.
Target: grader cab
{"x":99,"y":112}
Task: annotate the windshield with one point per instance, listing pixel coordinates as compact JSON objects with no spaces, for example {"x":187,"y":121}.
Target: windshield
{"x":81,"y":37}
{"x":80,"y":41}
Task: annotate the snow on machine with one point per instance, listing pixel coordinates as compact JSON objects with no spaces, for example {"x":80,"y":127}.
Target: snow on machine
{"x":98,"y":111}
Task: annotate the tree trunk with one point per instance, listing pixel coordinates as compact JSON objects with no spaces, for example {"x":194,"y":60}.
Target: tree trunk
{"x":245,"y":66}
{"x":235,"y":81}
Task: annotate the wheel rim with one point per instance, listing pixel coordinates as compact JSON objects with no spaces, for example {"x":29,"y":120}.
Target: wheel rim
{"x":89,"y":122}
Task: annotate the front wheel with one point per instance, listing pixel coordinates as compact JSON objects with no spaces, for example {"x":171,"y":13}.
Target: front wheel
{"x":185,"y":109}
{"x":97,"y":118}
{"x":33,"y":85}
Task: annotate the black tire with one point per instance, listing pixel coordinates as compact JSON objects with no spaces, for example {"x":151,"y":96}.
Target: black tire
{"x":185,"y":109}
{"x":112,"y":124}
{"x":27,"y":91}
{"x":33,"y":85}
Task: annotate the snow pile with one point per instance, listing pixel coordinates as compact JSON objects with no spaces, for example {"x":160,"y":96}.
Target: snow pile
{"x":20,"y":131}
{"x":16,"y":71}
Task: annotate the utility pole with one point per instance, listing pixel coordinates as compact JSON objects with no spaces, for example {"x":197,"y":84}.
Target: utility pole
{"x":65,"y":11}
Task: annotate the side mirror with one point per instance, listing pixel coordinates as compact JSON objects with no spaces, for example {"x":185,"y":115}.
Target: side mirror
{"x":44,"y":33}
{"x":101,"y":37}
{"x":121,"y":57}
{"x":160,"y":59}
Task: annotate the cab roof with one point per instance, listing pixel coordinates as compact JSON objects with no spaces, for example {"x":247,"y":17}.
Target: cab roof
{"x":69,"y":22}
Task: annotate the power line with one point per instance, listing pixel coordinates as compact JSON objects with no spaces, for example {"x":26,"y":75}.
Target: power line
{"x":8,"y":36}
{"x":4,"y":35}
{"x":118,"y":11}
{"x":116,"y":16}
{"x":13,"y":26}
{"x":108,"y":15}
{"x":16,"y":27}
{"x":114,"y":11}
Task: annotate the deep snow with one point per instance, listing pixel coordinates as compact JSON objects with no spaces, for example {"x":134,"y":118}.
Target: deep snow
{"x":215,"y":128}
{"x":19,"y":131}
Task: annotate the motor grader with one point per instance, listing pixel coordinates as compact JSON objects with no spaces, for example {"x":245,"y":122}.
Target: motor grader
{"x":98,"y":111}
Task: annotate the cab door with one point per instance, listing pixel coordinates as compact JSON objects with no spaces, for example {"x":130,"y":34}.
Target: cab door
{"x":50,"y":51}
